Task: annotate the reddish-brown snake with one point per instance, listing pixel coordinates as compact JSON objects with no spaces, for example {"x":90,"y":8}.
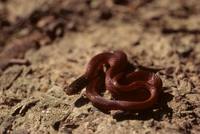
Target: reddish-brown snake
{"x":130,"y":89}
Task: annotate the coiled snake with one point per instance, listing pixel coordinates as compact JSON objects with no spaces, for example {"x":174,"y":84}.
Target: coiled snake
{"x":130,"y":90}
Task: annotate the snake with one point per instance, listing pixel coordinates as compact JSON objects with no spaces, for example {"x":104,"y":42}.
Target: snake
{"x":130,"y":89}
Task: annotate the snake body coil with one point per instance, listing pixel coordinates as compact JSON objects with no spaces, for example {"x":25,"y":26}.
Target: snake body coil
{"x":130,"y":89}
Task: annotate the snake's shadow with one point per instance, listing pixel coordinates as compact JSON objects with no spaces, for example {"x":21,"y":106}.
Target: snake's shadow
{"x":157,"y":113}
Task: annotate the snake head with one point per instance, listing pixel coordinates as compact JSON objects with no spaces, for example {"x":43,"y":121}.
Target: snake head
{"x":77,"y":85}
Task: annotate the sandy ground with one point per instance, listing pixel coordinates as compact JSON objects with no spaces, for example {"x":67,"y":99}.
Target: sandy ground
{"x":151,"y":32}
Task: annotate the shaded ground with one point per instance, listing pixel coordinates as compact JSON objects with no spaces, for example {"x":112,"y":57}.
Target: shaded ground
{"x":55,"y":39}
